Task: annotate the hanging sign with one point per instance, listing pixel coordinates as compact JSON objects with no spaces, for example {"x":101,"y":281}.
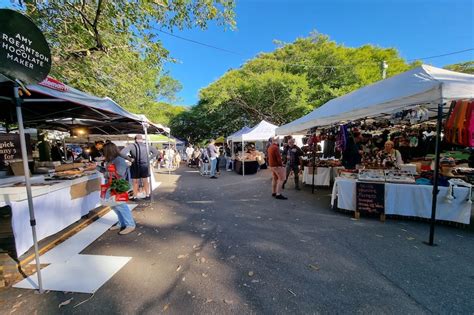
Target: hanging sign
{"x":24,"y":52}
{"x":10,"y":148}
{"x":370,"y":197}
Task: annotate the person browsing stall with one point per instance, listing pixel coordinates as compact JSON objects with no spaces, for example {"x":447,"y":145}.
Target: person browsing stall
{"x":293,"y":155}
{"x":278,"y":171}
{"x":213,"y":154}
{"x":126,"y":223}
{"x":352,"y":155}
{"x":140,"y":168}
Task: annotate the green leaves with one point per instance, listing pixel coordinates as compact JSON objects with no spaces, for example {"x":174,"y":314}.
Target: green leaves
{"x":112,"y":48}
{"x":284,"y":85}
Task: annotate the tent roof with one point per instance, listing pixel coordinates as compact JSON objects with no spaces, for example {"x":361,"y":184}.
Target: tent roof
{"x":238,"y":133}
{"x":422,"y":85}
{"x":261,"y":132}
{"x":53,"y":104}
{"x":120,"y":137}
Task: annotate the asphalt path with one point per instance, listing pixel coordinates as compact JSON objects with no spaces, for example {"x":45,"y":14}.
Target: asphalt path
{"x":221,"y":246}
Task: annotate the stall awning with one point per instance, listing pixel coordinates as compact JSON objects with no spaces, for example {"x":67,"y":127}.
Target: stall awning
{"x":53,"y":104}
{"x":261,"y":132}
{"x":238,"y":133}
{"x":422,"y":85}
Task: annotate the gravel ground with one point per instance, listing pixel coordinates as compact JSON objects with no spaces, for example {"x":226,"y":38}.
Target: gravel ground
{"x":226,"y":246}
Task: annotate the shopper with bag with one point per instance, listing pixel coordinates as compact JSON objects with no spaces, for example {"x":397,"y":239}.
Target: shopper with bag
{"x":126,"y":223}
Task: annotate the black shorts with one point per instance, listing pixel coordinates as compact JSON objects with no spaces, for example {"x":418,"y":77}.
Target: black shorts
{"x":139,"y":171}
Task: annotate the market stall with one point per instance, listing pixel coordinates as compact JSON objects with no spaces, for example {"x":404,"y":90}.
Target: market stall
{"x":250,"y":156}
{"x":403,"y":100}
{"x":408,"y":200}
{"x":65,"y":192}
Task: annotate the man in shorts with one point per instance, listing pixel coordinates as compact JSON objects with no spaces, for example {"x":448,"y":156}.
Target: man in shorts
{"x":278,"y":170}
{"x":140,"y":169}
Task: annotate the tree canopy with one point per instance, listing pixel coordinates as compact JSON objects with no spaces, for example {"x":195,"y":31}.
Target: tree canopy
{"x":112,"y":48}
{"x":464,"y":67}
{"x":284,"y":85}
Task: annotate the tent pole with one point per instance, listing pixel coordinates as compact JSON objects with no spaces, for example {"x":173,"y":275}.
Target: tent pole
{"x":150,"y":182}
{"x":436,"y":171}
{"x":24,"y":157}
{"x":243,"y":159}
{"x":169,"y":151}
{"x":314,"y":168}
{"x":65,"y":150}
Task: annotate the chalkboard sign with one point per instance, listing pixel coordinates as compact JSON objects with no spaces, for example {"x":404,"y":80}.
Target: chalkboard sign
{"x":370,"y":197}
{"x":10,"y":148}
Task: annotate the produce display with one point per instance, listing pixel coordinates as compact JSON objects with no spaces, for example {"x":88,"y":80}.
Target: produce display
{"x":120,"y":185}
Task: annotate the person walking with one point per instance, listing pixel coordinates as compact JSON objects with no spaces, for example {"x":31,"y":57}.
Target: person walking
{"x":204,"y":162}
{"x":126,"y":223}
{"x":140,"y":169}
{"x":292,"y":154}
{"x":213,"y":153}
{"x":189,"y":153}
{"x":278,"y":171}
{"x":177,"y":158}
{"x":228,"y":158}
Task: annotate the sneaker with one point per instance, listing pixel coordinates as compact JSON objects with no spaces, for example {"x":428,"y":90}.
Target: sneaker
{"x":229,"y":170}
{"x":281,"y":197}
{"x":147,"y":198}
{"x":128,"y":229}
{"x":213,"y":177}
{"x":115,"y":227}
{"x":274,"y":195}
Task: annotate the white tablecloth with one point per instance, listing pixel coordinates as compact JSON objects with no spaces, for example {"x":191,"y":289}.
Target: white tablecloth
{"x":54,"y":209}
{"x":409,"y":200}
{"x":322,"y":176}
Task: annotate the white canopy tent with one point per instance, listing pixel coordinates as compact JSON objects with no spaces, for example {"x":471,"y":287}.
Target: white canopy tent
{"x":261,"y":132}
{"x":238,"y":133}
{"x":422,"y":85}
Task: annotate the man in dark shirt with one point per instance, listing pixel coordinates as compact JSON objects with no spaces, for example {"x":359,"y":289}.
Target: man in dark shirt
{"x":292,"y":153}
{"x":96,"y":150}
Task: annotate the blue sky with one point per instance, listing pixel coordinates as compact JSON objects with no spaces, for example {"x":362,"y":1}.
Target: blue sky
{"x":417,"y":28}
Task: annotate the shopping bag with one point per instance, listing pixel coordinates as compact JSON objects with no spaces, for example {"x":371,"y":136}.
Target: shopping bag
{"x":110,"y":197}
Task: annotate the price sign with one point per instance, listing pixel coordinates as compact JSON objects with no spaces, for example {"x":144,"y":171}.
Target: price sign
{"x":370,"y":197}
{"x":10,"y":149}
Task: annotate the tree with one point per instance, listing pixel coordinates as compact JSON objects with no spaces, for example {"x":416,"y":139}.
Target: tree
{"x":284,"y":85}
{"x":112,"y":48}
{"x":464,"y":67}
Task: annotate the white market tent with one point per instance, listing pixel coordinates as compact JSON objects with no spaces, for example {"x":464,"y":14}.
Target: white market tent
{"x":422,"y":85}
{"x":261,"y":132}
{"x":238,"y":133}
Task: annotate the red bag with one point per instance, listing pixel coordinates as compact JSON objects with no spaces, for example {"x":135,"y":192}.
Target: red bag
{"x":112,"y":171}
